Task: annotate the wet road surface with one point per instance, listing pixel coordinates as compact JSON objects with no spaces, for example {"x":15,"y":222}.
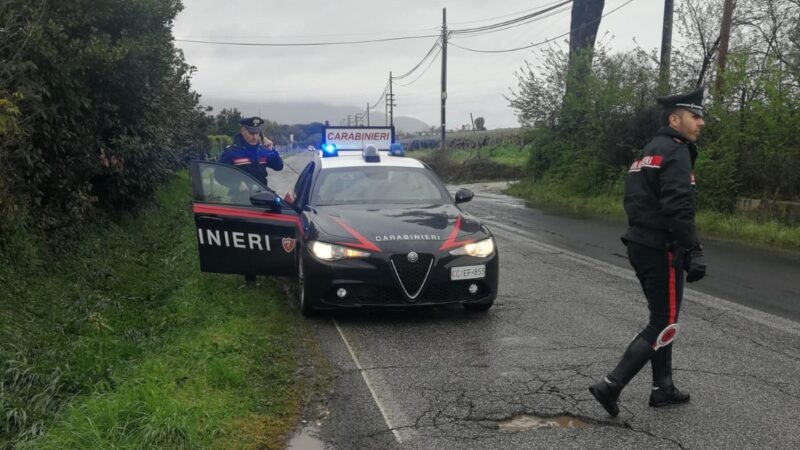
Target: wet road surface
{"x":764,"y":279}
{"x":443,"y":378}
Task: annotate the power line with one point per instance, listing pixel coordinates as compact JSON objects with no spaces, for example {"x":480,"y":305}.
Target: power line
{"x":433,"y":47}
{"x":373,"y":33}
{"x":511,"y":21}
{"x":518,"y":24}
{"x":378,"y":102}
{"x":423,"y":72}
{"x":504,"y":15}
{"x":536,"y":44}
{"x":306,"y":44}
{"x":476,"y":30}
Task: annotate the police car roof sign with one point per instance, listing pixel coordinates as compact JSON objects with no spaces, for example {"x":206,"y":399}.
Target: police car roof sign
{"x":357,"y":138}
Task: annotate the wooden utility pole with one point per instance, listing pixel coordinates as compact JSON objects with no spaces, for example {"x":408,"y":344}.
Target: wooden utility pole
{"x":666,"y":49}
{"x":390,"y":101}
{"x":724,"y":38}
{"x":444,"y":81}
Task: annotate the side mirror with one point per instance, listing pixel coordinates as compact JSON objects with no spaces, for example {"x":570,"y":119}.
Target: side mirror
{"x":266,"y":199}
{"x":464,"y":195}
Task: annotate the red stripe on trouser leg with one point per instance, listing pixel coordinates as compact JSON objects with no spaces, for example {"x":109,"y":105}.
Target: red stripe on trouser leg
{"x":672,"y":290}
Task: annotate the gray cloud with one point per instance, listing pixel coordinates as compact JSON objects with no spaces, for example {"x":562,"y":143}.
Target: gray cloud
{"x":357,"y":74}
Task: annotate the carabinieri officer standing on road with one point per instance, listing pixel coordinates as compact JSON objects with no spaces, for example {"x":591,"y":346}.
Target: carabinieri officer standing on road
{"x":662,"y":242}
{"x":249,"y":153}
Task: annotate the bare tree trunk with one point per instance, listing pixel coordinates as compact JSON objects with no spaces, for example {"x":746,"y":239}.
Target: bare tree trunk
{"x":724,"y":37}
{"x":666,"y":49}
{"x":586,"y":15}
{"x":585,"y":22}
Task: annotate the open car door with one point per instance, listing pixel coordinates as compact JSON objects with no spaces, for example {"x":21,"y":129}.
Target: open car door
{"x":242,"y":226}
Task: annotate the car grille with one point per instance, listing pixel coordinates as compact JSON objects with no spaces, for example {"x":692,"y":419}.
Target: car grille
{"x":433,"y":293}
{"x":412,"y":276}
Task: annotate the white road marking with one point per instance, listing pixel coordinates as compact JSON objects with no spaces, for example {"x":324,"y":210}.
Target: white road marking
{"x":369,"y":385}
{"x":772,"y":321}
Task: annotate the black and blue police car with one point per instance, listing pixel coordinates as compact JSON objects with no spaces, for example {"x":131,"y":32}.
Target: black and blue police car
{"x":360,"y":228}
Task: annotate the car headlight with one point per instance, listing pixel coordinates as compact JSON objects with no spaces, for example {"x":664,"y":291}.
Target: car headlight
{"x":481,"y":249}
{"x":333,"y":252}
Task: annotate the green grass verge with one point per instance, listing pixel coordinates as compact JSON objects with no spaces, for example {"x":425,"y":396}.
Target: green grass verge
{"x":123,"y":343}
{"x":506,"y":155}
{"x":711,"y":224}
{"x":487,"y":164}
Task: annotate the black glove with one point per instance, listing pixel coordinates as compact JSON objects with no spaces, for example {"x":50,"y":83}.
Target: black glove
{"x":694,"y":264}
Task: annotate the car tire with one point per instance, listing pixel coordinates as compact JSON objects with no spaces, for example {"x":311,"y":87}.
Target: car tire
{"x":477,"y":307}
{"x":302,"y":291}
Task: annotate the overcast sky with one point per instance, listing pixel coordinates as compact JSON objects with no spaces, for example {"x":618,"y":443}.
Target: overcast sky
{"x":357,"y":74}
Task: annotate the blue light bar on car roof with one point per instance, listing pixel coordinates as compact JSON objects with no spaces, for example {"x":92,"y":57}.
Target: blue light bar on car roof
{"x":396,"y":149}
{"x":370,"y":154}
{"x":329,"y":150}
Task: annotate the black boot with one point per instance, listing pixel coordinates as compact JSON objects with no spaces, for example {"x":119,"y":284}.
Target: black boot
{"x":635,"y":357}
{"x":664,"y":391}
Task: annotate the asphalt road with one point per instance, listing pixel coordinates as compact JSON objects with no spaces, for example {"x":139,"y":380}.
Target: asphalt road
{"x":567,"y":307}
{"x":764,"y":279}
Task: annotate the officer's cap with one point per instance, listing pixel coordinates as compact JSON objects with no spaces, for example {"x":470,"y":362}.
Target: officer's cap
{"x":691,"y":101}
{"x":252,"y":124}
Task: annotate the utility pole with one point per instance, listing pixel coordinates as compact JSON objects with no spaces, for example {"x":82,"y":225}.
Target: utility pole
{"x":367,"y":113}
{"x":666,"y":49}
{"x":444,"y":81}
{"x":724,"y":37}
{"x":390,"y":102}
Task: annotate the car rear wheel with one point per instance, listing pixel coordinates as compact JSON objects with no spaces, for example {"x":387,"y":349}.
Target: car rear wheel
{"x":477,"y":307}
{"x":302,"y":291}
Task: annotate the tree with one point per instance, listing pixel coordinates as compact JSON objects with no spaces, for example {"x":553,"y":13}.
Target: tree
{"x":107,"y":106}
{"x":540,"y":89}
{"x":479,"y":123}
{"x":227,"y":121}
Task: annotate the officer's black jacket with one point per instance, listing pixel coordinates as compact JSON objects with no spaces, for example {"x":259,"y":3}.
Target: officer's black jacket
{"x":253,"y":159}
{"x":660,"y":193}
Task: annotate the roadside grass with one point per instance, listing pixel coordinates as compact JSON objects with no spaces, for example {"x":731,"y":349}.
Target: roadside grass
{"x":501,"y":162}
{"x":508,"y":162}
{"x":503,"y":154}
{"x":123,"y":343}
{"x":712,"y":224}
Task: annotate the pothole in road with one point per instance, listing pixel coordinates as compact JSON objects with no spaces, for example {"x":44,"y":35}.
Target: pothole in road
{"x":528,"y":423}
{"x":306,"y":440}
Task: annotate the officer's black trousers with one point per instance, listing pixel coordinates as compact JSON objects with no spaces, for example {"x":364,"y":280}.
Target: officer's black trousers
{"x":662,"y":285}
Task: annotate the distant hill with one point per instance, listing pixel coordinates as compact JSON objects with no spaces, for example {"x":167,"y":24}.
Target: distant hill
{"x":292,"y":113}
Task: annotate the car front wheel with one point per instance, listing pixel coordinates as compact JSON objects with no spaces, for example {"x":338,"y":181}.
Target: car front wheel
{"x":302,"y":291}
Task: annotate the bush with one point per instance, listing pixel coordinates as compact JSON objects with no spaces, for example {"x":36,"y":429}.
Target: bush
{"x":584,"y":144}
{"x":101,"y":109}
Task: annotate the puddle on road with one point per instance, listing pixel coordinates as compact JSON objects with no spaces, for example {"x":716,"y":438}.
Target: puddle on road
{"x":528,"y":423}
{"x":306,"y":440}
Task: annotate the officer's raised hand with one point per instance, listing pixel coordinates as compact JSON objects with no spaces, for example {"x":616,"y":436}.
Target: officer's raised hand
{"x":695,"y":264}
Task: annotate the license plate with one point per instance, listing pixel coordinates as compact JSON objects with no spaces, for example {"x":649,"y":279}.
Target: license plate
{"x":467,"y":272}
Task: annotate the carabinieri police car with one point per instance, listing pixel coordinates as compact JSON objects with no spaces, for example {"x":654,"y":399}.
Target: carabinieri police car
{"x":364,"y":226}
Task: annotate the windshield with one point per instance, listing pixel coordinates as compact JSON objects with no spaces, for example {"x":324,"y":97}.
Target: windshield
{"x":371,"y":185}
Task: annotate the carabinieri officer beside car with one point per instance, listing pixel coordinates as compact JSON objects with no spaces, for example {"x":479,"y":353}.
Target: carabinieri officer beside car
{"x":662,"y":242}
{"x":249,"y":153}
